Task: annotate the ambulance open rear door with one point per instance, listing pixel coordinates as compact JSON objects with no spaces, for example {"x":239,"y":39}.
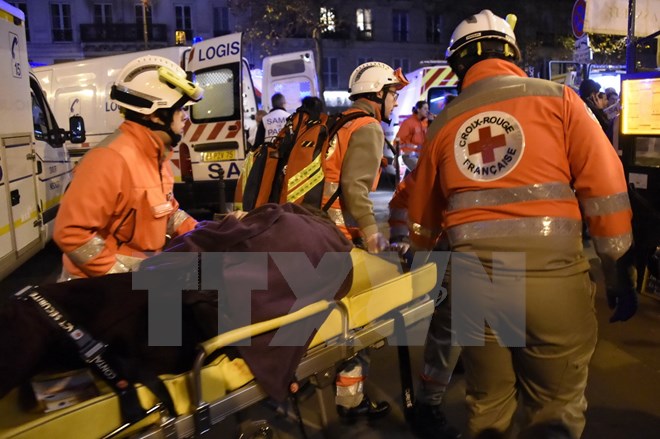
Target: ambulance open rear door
{"x":212,"y":151}
{"x":292,"y":74}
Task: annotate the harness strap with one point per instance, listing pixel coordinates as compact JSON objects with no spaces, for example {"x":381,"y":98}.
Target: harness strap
{"x":314,"y":171}
{"x":92,"y":351}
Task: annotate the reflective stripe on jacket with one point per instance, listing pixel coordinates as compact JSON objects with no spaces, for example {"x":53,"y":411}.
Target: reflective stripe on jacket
{"x":119,"y":205}
{"x":510,"y":158}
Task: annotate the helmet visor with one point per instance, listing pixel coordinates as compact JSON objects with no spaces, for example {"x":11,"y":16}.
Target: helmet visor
{"x":401,"y":78}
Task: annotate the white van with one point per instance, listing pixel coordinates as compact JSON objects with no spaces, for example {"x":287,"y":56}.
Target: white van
{"x":432,"y":82}
{"x":293,"y":75}
{"x":209,"y":159}
{"x":35,"y":168}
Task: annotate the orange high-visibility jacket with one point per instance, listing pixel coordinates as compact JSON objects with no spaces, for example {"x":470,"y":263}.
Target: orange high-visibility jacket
{"x":119,"y":205}
{"x":398,"y":219}
{"x":411,"y":134}
{"x":354,"y":163}
{"x":510,"y":158}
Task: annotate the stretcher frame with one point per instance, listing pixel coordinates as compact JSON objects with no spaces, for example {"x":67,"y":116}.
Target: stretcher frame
{"x":349,"y":328}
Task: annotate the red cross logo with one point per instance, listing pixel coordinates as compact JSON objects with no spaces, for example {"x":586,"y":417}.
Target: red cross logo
{"x":486,"y":145}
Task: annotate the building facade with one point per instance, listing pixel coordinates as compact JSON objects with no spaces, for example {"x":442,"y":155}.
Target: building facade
{"x":399,"y":32}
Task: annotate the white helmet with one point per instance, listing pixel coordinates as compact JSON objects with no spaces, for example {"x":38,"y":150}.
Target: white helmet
{"x":482,"y":26}
{"x":149,"y":83}
{"x":371,"y":77}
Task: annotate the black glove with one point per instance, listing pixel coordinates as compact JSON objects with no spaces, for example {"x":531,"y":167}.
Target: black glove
{"x":621,"y":291}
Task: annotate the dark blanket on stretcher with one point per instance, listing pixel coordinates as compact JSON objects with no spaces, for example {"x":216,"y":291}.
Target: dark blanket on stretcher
{"x":113,"y":312}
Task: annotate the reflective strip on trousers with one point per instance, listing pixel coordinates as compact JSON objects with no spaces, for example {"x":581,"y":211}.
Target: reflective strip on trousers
{"x":518,"y":227}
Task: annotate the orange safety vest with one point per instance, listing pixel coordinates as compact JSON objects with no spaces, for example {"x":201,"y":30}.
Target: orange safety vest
{"x":332,"y":172}
{"x":511,"y":157}
{"x":119,"y":205}
{"x":412,"y":133}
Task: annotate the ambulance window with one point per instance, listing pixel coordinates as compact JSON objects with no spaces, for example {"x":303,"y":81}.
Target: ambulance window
{"x":221,"y":95}
{"x":38,"y":119}
{"x":285,"y":68}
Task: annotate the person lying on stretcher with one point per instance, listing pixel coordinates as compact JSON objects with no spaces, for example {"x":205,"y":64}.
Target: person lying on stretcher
{"x":274,"y":260}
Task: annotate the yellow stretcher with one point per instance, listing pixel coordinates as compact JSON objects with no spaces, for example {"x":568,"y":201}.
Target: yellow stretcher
{"x":208,"y":394}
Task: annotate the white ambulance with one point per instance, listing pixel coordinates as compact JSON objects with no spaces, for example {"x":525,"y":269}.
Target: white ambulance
{"x":208,"y":161}
{"x":432,"y":82}
{"x":34,"y":166}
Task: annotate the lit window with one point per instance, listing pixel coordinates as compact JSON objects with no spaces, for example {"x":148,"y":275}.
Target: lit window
{"x":363,"y":20}
{"x":328,"y":20}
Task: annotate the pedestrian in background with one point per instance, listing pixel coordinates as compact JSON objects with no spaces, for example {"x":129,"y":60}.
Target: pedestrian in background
{"x":412,"y":133}
{"x":596,"y":101}
{"x":272,"y":122}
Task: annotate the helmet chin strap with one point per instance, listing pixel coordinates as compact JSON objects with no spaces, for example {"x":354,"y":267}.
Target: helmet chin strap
{"x":381,"y":101}
{"x":154,"y":126}
{"x":382,"y":112}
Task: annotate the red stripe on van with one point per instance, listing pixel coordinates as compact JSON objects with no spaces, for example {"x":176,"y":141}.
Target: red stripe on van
{"x":198,"y":133}
{"x":234,"y":130}
{"x":216,"y":130}
{"x":428,"y":83}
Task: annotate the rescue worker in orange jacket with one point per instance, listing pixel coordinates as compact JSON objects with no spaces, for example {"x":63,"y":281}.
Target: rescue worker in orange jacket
{"x":412,"y":133}
{"x":504,"y":170}
{"x":353,"y":164}
{"x":119,"y":205}
{"x":351,"y":172}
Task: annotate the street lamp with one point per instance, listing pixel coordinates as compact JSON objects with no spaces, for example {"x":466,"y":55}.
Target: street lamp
{"x":145,"y":5}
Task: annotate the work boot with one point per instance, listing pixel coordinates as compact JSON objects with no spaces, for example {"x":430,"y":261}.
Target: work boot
{"x":367,"y":408}
{"x":429,"y":422}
